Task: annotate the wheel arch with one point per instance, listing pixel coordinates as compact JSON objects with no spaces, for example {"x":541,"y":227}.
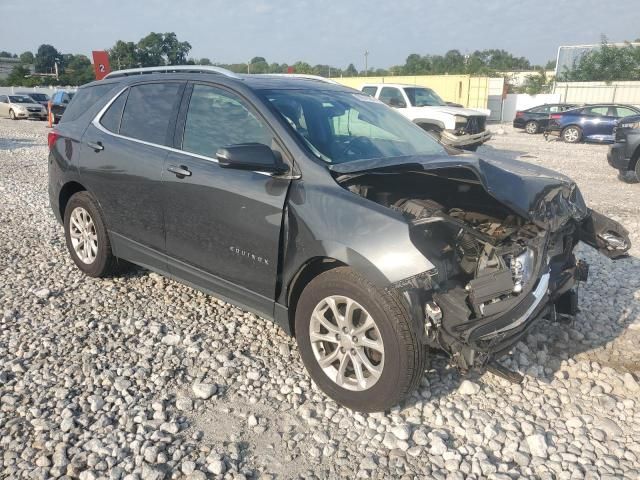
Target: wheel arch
{"x":303,"y":276}
{"x":66,"y":192}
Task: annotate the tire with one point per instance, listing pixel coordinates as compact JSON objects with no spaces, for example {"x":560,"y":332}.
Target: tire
{"x":400,"y":362}
{"x":531,"y":127}
{"x":97,"y":260}
{"x":470,"y":148}
{"x":12,"y":115}
{"x":572,"y":134}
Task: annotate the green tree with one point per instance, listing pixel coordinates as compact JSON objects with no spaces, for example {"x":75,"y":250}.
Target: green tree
{"x":18,"y":76}
{"x":27,"y":58}
{"x":46,"y":58}
{"x":78,"y":70}
{"x":608,"y":63}
{"x":5,"y":54}
{"x":175,"y":51}
{"x":150,"y":50}
{"x":204,"y":61}
{"x":535,"y":83}
{"x":123,"y":55}
{"x":258,"y":65}
{"x":351,"y":71}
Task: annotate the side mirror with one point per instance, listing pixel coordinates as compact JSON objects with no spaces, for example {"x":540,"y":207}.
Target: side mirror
{"x":251,"y":156}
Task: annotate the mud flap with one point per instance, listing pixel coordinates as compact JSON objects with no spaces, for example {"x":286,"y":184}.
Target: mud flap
{"x":605,"y":235}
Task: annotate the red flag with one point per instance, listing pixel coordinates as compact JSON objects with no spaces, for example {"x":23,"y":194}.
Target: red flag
{"x":101,"y":64}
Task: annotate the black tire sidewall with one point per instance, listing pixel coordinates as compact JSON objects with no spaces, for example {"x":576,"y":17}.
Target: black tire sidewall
{"x":384,"y":393}
{"x":12,"y":115}
{"x":99,"y":266}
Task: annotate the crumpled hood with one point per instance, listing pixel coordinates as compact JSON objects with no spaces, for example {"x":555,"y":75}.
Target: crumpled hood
{"x":540,"y":195}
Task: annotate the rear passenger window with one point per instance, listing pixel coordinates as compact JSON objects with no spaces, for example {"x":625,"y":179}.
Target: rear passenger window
{"x":84,"y":99}
{"x":111,"y":118}
{"x":149,"y":110}
{"x":217,"y":118}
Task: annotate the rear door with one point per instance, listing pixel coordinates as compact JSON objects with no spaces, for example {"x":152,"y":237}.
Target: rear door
{"x":223,"y":225}
{"x":125,"y":151}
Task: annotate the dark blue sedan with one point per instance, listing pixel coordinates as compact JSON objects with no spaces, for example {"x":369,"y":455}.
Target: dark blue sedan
{"x":591,"y":123}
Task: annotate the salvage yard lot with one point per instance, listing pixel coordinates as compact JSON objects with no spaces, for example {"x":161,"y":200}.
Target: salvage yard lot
{"x":97,"y":376}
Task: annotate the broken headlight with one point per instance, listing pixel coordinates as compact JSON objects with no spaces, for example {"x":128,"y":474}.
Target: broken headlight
{"x":522,"y":268}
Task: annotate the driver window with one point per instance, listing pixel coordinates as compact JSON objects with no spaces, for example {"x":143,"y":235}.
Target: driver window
{"x":3,"y":99}
{"x":392,"y":97}
{"x":218,"y":118}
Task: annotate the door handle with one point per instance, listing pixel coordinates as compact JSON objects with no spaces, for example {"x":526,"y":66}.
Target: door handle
{"x":96,"y":146}
{"x":180,"y":171}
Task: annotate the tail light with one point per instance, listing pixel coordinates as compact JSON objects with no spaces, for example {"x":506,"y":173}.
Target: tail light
{"x":519,"y":114}
{"x":51,"y":138}
{"x":555,"y":116}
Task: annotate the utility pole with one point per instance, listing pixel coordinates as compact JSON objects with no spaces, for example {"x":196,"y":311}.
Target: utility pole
{"x":366,"y":63}
{"x":249,"y":66}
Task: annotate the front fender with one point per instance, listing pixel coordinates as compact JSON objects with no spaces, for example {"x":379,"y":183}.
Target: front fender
{"x":330,"y":222}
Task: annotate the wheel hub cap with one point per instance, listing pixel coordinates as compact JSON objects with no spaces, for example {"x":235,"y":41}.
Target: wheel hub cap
{"x":346,"y":343}
{"x":84,"y":238}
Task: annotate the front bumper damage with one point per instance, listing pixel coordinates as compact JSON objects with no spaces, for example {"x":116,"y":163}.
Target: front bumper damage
{"x":448,"y":137}
{"x":475,"y":339}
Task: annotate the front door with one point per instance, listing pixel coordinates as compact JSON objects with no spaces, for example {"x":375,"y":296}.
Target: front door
{"x":222,"y":225}
{"x":123,"y":166}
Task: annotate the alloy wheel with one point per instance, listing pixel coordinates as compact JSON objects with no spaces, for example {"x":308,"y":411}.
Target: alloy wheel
{"x":531,"y":127}
{"x":84,"y":237}
{"x":346,"y":343}
{"x":571,"y":135}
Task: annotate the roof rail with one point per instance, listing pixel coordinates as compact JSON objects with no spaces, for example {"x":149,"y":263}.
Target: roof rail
{"x":300,"y":75}
{"x":174,"y":69}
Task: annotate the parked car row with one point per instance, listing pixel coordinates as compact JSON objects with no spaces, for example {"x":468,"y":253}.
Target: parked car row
{"x":600,"y":123}
{"x":574,"y":123}
{"x":34,"y":105}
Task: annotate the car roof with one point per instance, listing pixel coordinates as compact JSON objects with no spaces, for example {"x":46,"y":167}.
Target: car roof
{"x":253,"y":82}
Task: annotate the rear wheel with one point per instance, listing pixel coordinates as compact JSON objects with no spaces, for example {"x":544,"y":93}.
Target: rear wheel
{"x":358,"y":342}
{"x":531,"y":127}
{"x":87,"y":238}
{"x":572,"y":134}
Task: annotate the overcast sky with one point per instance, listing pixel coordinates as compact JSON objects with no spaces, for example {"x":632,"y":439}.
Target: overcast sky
{"x":332,"y":32}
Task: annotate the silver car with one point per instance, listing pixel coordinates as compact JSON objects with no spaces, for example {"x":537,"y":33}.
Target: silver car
{"x":21,"y":106}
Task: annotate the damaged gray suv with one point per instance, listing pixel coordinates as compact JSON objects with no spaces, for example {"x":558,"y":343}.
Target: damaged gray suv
{"x":325,"y":210}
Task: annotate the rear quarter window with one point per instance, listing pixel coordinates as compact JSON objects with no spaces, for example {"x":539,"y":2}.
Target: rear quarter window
{"x":84,"y":99}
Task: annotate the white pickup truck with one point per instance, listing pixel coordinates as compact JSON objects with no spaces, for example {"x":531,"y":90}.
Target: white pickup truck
{"x":455,"y":126}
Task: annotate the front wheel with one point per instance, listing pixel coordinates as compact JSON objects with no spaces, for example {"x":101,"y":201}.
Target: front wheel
{"x":572,"y":134}
{"x":12,"y":115}
{"x":358,"y":342}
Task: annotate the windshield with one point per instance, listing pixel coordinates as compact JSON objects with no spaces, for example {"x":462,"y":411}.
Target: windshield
{"x":39,"y":97}
{"x":341,"y":127}
{"x":19,"y":99}
{"x":423,"y":97}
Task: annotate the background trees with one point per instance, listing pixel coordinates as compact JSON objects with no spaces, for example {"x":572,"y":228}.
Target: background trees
{"x":606,"y":64}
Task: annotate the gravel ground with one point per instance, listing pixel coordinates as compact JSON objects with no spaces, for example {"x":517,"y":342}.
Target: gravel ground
{"x":140,"y":377}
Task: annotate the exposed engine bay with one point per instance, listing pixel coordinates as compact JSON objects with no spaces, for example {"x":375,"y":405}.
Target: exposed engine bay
{"x":495,"y":270}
